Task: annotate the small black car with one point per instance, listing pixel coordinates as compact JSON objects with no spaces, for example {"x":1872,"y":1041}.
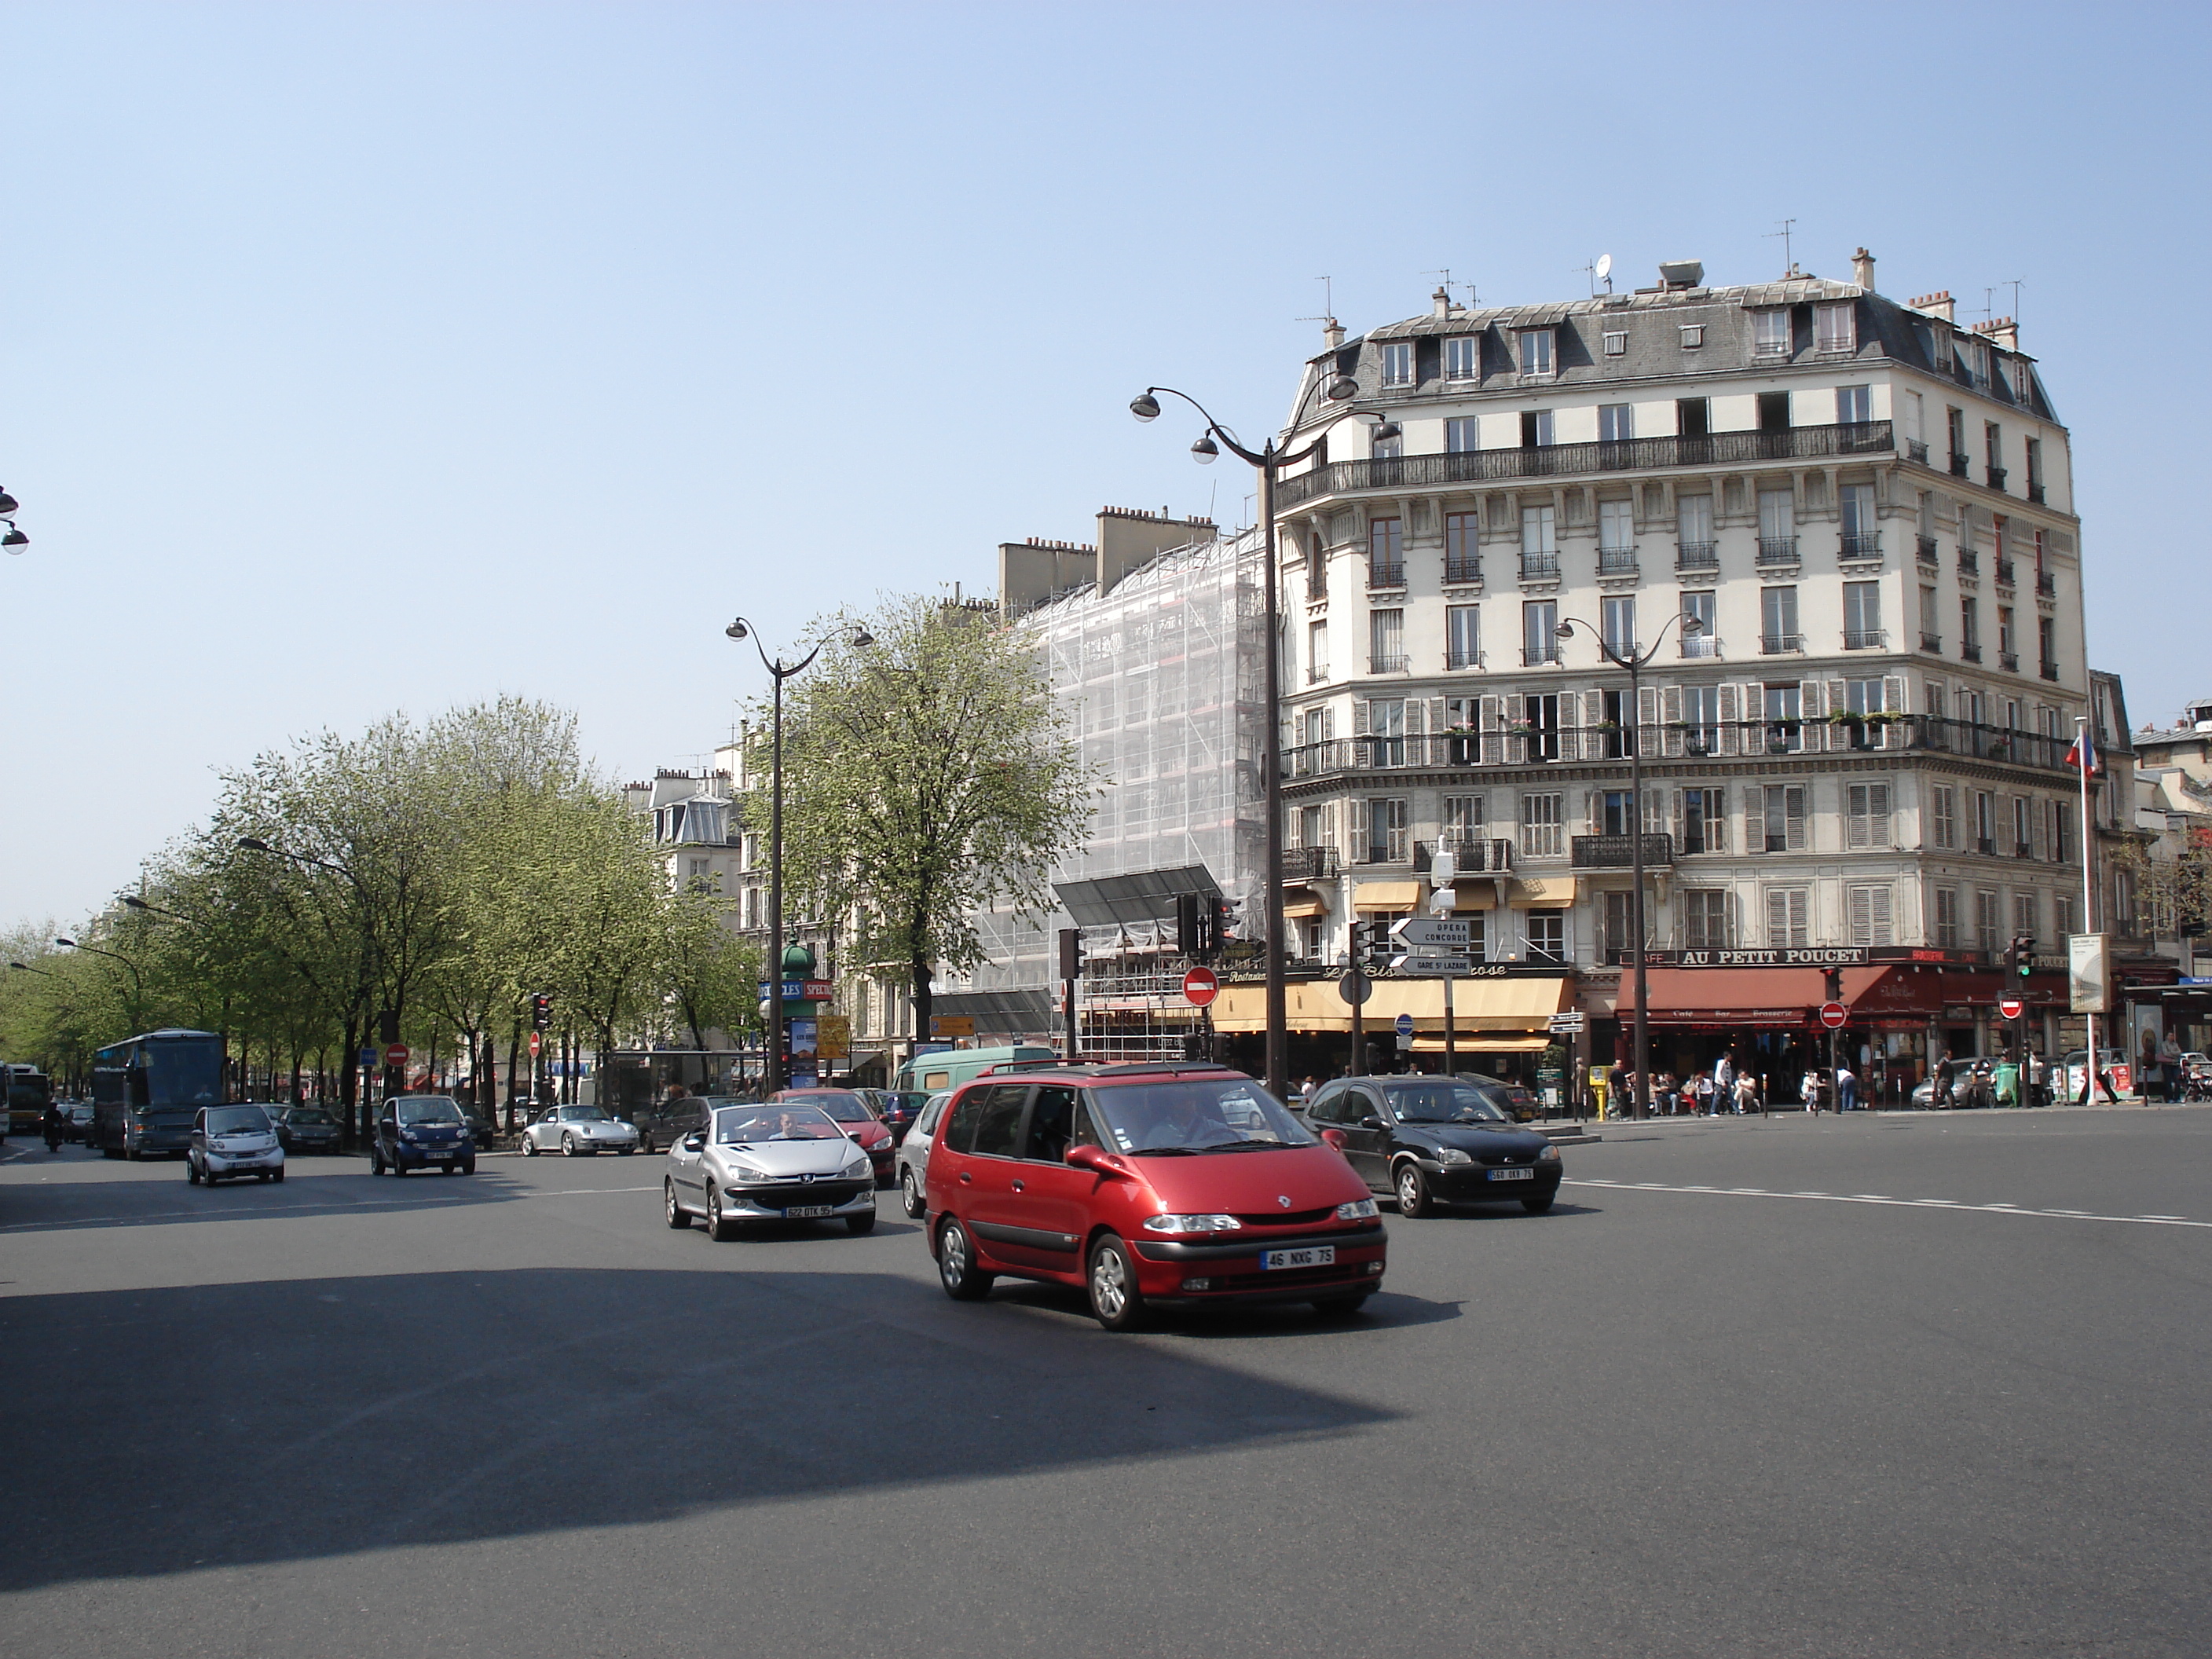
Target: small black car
{"x":306,"y":1129}
{"x":1436,"y":1140}
{"x":416,"y":1131}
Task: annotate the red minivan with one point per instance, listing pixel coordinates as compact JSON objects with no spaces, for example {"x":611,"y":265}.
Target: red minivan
{"x":1149,"y":1186}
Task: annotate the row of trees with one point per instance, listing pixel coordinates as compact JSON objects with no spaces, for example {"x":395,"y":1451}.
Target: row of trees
{"x":417,"y":881}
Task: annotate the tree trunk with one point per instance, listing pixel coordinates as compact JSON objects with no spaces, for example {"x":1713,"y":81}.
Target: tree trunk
{"x":513,"y":1048}
{"x":350,"y":1079}
{"x":919,"y":994}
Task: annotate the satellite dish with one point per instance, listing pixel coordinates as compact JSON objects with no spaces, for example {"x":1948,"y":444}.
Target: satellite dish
{"x":1604,"y":266}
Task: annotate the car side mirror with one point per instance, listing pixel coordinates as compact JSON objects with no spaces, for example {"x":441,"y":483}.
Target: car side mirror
{"x":1096,"y":1159}
{"x":1334,"y":1137}
{"x":1372,"y":1123}
{"x":693,"y":1142}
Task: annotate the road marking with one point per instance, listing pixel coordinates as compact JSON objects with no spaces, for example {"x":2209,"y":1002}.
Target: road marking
{"x":1899,"y":1203}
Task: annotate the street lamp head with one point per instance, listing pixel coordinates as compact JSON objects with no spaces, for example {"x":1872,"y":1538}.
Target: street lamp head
{"x":1692,"y":624}
{"x":738,"y":631}
{"x":15,"y":541}
{"x":69,"y":944}
{"x":7,"y":505}
{"x":24,"y":966}
{"x":1204,"y":451}
{"x":1144,"y":406}
{"x":862,"y":639}
{"x":1565,"y":630}
{"x":253,"y":844}
{"x":136,"y":903}
{"x":1384,"y":431}
{"x":1341,"y":388}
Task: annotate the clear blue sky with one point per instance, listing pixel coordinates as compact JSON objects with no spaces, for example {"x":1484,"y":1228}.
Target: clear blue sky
{"x":377,"y":356}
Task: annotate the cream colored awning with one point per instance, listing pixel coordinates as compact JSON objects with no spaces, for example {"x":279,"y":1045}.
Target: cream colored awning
{"x":1516,"y":1007}
{"x":1304,"y":907}
{"x":1387,"y":895}
{"x":1542,"y":892}
{"x":1484,"y":1042}
{"x":1474,"y":893}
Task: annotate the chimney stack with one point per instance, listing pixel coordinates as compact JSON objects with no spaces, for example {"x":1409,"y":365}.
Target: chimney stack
{"x":1442,"y":300}
{"x":1332,"y":332}
{"x":1938,"y":305}
{"x":1862,"y":269}
{"x":2002,"y":330}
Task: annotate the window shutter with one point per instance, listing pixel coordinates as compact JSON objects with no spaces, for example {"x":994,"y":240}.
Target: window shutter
{"x":1670,"y":715}
{"x":1647,"y":720}
{"x":1490,"y":715}
{"x":1416,"y":709}
{"x":1861,"y":916}
{"x":1716,"y":826}
{"x":1793,"y":811}
{"x":1812,"y":705}
{"x":1878,"y":826}
{"x":1778,"y":916}
{"x":1654,"y":805}
{"x":1359,"y":717}
{"x":1879,"y":918}
{"x":1593,"y":820}
{"x":1517,"y":744}
{"x":1839,"y":702}
{"x":1854,"y":816}
{"x":1731,"y":706}
{"x":1438,"y":721}
{"x":1755,"y":712}
{"x":1675,"y":828}
{"x":1328,"y":721}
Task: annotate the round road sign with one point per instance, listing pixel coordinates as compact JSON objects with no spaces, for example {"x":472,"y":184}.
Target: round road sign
{"x":2011,"y":1007}
{"x":1355,"y":987}
{"x":396,"y":1054}
{"x":1404,"y":1025}
{"x":1199,"y":986}
{"x":1834,"y":1014}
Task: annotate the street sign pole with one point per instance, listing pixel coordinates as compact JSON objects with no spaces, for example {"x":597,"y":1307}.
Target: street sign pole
{"x":1451,"y":1035}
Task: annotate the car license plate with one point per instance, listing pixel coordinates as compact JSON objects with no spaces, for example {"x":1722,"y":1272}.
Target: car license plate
{"x":1318,"y":1255}
{"x":1512,"y":1174}
{"x":808,"y":1211}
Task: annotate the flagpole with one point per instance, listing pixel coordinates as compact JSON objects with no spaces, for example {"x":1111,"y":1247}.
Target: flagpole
{"x":2082,"y":762}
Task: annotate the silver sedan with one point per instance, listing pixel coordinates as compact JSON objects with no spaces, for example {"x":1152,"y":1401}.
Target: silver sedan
{"x":779,"y":1161}
{"x":574,"y":1130}
{"x":913,"y":1158}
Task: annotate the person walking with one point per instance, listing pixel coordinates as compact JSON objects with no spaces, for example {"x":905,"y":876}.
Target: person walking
{"x":1945,"y":1074}
{"x":1847,"y":1087}
{"x":1724,"y":1082}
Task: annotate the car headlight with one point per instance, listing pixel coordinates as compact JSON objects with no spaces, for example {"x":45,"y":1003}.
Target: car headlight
{"x":1549,"y":1155}
{"x":1360,"y":1209}
{"x":409,"y":1136}
{"x":1191,"y":1224}
{"x":746,"y":1176}
{"x":1455,"y":1155}
{"x":859,"y":1166}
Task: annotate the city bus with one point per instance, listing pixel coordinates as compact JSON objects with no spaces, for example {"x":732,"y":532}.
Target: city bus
{"x":146,"y":1091}
{"x":29,"y":1088}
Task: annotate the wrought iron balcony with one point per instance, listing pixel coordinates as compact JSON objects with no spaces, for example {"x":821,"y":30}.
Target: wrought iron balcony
{"x":1970,"y":651}
{"x":1970,"y":562}
{"x":2046,"y":584}
{"x":1539,"y":566}
{"x":1471,"y":854}
{"x":1916,"y":450}
{"x":1464,"y":659}
{"x":2005,"y":572}
{"x":1309,"y":863}
{"x":1696,"y":555}
{"x":1777,"y":549}
{"x":1931,"y":642}
{"x":1316,"y":672}
{"x":1777,"y":645}
{"x":1463,"y":567}
{"x":1700,"y":645}
{"x":1861,"y":544}
{"x":2009,"y":661}
{"x":1865,"y":639}
{"x":1927,"y":548}
{"x":2050,"y":670}
{"x":1996,"y":477}
{"x":2035,"y":494}
{"x":1619,"y":852}
{"x":1317,"y":588}
{"x":1389,"y":664}
{"x":1538,"y":658}
{"x":1386,"y":575}
{"x":1568,"y":460}
{"x":1616,"y":562}
{"x":1961,"y":467}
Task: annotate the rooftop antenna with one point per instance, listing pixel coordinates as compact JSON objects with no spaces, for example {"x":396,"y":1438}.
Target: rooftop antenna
{"x":1604,"y":270}
{"x":2015,"y":285}
{"x":1989,"y":304}
{"x":1787,"y":227}
{"x":1327,"y":318}
{"x":1448,"y":285}
{"x":1590,"y":271}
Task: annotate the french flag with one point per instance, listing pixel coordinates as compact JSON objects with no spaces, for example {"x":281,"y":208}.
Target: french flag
{"x":2082,"y":757}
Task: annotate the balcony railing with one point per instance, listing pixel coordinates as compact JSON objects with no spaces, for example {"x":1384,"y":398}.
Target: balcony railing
{"x":1970,"y":651}
{"x":2009,"y":661}
{"x":1539,"y":566}
{"x":1389,"y":664}
{"x":1616,"y":562}
{"x":2050,"y":670}
{"x":1316,"y":672}
{"x":1540,"y":657}
{"x":1861,"y":544}
{"x":2046,"y":584}
{"x":1777,"y":645}
{"x":1996,"y":477}
{"x":1619,"y":852}
{"x":1309,"y":863}
{"x":1472,"y":855}
{"x":1970,"y":562}
{"x":1700,"y":645}
{"x":1865,"y":639}
{"x":1463,"y":659}
{"x":1986,"y":846}
{"x":1961,"y":467}
{"x":1926,"y":545}
{"x":1463,"y":567}
{"x":1696,"y":555}
{"x":1315,"y":590}
{"x":1916,"y":450}
{"x":1777,"y":549}
{"x":1930,"y":641}
{"x":1565,"y":460}
{"x":2021,"y":849}
{"x":2035,"y":494}
{"x":1386,"y":575}
{"x":2005,"y":575}
{"x":1465,"y":751}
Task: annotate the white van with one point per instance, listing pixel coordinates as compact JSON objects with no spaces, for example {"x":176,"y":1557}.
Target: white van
{"x":954,"y":1066}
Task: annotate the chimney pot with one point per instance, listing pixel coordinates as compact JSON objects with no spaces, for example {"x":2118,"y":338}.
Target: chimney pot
{"x":1331,"y":333}
{"x":1442,"y":300}
{"x":1862,"y":269}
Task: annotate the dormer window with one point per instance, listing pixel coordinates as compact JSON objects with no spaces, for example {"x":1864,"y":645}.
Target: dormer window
{"x":2018,"y":368}
{"x":1973,"y":358}
{"x":1770,"y":333}
{"x":1463,"y":357}
{"x":1539,"y":351}
{"x":1616,"y":343}
{"x":1398,"y":363}
{"x":1694,"y":336}
{"x":1835,"y":327}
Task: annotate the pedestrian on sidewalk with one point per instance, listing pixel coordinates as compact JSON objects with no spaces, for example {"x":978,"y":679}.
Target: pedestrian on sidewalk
{"x":1946,"y":1073}
{"x":1724,"y":1082}
{"x":1704,"y":1087}
{"x":1847,"y":1088}
{"x":1746,"y":1093}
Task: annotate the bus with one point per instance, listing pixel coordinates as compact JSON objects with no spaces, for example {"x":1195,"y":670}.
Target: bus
{"x":145,"y":1092}
{"x":29,"y":1088}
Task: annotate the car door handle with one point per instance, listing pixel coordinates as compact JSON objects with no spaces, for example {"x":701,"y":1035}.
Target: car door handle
{"x":964,"y":1178}
{"x":1018,"y":1185}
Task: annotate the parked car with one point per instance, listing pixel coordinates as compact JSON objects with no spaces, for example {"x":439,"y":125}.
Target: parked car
{"x":417,"y":1131}
{"x":859,"y":1120}
{"x":663,"y":1123}
{"x":1436,"y":1140}
{"x":913,"y":1158}
{"x":574,"y":1131}
{"x":232,"y":1140}
{"x":1149,"y":1186}
{"x":786,"y":1160}
{"x":306,"y":1129}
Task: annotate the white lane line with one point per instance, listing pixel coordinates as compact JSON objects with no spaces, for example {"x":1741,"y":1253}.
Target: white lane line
{"x":263,"y":1209}
{"x":1903,"y":1203}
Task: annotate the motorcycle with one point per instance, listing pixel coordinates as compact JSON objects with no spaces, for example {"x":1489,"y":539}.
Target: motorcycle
{"x":54,"y":1135}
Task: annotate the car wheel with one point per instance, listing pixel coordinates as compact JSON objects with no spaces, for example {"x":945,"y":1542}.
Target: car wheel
{"x":910,"y":1198}
{"x":192,"y":1172}
{"x":469,"y":1167}
{"x":567,"y":1146}
{"x":278,"y":1175}
{"x":529,"y":1144}
{"x":717,"y":1225}
{"x":956,"y":1266}
{"x":264,"y":1177}
{"x":864,"y":1223}
{"x":1341,"y":1307}
{"x":1116,"y":1301}
{"x":375,"y":1162}
{"x":1413,"y":1200}
{"x":398,"y":1168}
{"x":678,"y":1217}
{"x":1537,"y":1205}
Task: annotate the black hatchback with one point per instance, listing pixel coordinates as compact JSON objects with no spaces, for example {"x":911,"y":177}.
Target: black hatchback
{"x":306,"y":1129}
{"x":1434,"y":1141}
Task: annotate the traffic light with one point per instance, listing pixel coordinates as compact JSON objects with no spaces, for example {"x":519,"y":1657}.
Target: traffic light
{"x":1371,"y":944}
{"x":541,"y":1013}
{"x":2024,"y":955}
{"x":1071,"y":953}
{"x":1220,"y":925}
{"x":1187,"y":940}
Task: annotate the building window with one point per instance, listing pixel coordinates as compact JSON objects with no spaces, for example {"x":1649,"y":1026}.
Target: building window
{"x":1777,"y":526}
{"x":1535,"y":428}
{"x":1870,"y":916}
{"x":1704,"y":822}
{"x":1778,"y":622}
{"x":2017,"y":368}
{"x":2026,"y":914}
{"x":2023,"y":827}
{"x":2062,"y":833}
{"x":2063,"y":918}
{"x":1619,"y":923}
{"x":1861,"y":538}
{"x":1943,"y":817}
{"x":1862,"y":618}
{"x":1316,"y":651}
{"x":2046,"y":635}
{"x":1463,"y":636}
{"x":1541,"y":714}
{"x":1462,"y":434}
{"x":1947,"y":918}
{"x":1986,"y":822}
{"x":1537,"y":355}
{"x":1547,"y":936}
{"x":1463,"y":359}
{"x":1701,"y":718}
{"x":2035,"y":471}
{"x":1398,"y":362}
{"x":1616,"y":535}
{"x":1970,"y":629}
{"x":1866,"y":816}
{"x":1705,"y":919}
{"x":1785,"y":817}
{"x":1931,"y":623}
{"x":1542,"y":829}
{"x":1617,"y":613}
{"x":1386,"y":553}
{"x":1616,"y":422}
{"x":1985,"y":921}
{"x":1540,"y":643}
{"x":1313,"y":826}
{"x":1694,"y":336}
{"x":1386,"y":831}
{"x":1701,"y":641}
{"x":1993,"y":447}
{"x":1464,"y":817}
{"x":1770,"y":333}
{"x":1388,"y":449}
{"x":1386,"y":732}
{"x":1835,"y":327}
{"x":1316,"y":569}
{"x":1854,"y":405}
{"x":1788,"y":911}
{"x":1463,"y":547}
{"x":1616,"y":812}
{"x":1956,"y":425}
{"x":1540,"y":545}
{"x":1616,"y":343}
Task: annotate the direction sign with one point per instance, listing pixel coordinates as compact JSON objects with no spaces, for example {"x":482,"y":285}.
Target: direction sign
{"x":1355,"y":987}
{"x":1565,"y":1024}
{"x":536,"y":1038}
{"x":396,"y":1054}
{"x":1403,"y":1024}
{"x":1199,"y":986}
{"x":2011,"y":1007}
{"x":368,"y":1056}
{"x":1434,"y":964}
{"x":1834,"y":1014}
{"x":1433,"y":932}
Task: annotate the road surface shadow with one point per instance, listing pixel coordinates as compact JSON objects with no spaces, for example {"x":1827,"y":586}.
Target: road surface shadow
{"x":73,"y":1206}
{"x":218,"y":1424}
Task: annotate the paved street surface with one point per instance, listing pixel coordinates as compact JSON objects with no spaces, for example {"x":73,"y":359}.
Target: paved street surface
{"x":1923,"y":1385}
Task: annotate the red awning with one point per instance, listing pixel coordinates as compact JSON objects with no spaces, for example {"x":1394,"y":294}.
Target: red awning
{"x":1788,"y":996}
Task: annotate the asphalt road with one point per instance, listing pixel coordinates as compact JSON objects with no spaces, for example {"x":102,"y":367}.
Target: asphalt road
{"x":1831,"y":1388}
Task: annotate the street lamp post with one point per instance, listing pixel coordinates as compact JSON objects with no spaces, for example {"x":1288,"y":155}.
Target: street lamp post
{"x":1266,"y":460}
{"x":138,"y":980}
{"x":772,"y":1077}
{"x":1638,"y":1088}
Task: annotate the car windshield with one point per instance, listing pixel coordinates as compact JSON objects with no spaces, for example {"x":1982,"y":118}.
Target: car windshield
{"x":584,"y":1115}
{"x":1445,"y":1099}
{"x":845,"y":1106}
{"x":413,"y":1114}
{"x":306,"y":1114}
{"x":237,"y":1121}
{"x":1210,"y":1115}
{"x":738,"y":1126}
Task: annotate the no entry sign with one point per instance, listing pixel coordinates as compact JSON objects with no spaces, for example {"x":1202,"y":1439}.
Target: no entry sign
{"x":1199,"y":986}
{"x":2011,"y":1007}
{"x":396,"y":1054}
{"x":1834,"y":1014}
